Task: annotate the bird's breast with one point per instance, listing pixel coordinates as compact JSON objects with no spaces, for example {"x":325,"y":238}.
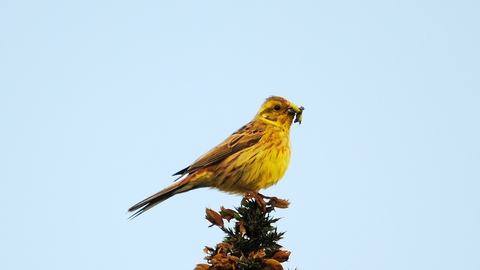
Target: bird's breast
{"x":256,"y":167}
{"x":274,"y":161}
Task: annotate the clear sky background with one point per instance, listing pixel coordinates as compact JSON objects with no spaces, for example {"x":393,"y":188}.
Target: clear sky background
{"x":101,"y":102}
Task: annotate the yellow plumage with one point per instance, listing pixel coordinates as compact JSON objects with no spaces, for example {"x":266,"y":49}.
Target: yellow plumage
{"x":254,"y":157}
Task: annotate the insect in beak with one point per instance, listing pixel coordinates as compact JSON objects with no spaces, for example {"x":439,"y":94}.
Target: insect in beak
{"x":298,"y":113}
{"x":298,"y":116}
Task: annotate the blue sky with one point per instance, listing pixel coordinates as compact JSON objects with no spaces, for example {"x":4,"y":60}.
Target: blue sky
{"x":102,"y":102}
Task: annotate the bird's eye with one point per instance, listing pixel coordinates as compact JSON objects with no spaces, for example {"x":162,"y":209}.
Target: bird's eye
{"x":276,"y":108}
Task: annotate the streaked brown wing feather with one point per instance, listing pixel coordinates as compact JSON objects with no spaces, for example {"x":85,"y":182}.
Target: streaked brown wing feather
{"x":245,"y":137}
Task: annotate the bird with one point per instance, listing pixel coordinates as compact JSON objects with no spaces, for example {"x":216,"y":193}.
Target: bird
{"x":254,"y":157}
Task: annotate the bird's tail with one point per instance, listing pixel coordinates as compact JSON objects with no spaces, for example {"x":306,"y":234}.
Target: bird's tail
{"x":161,"y":196}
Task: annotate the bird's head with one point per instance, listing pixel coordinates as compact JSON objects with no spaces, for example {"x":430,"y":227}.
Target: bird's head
{"x":280,"y":112}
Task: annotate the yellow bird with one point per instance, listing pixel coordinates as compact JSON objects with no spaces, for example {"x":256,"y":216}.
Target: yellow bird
{"x":254,"y":157}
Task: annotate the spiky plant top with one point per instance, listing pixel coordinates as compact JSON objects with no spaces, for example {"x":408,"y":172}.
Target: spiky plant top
{"x":252,"y":244}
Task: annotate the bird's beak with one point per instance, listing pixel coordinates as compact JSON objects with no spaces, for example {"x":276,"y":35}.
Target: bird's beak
{"x":297,"y":111}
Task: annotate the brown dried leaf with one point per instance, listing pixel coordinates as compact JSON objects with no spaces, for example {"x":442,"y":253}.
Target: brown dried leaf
{"x":282,"y":256}
{"x":227,"y":213}
{"x":272,"y":264}
{"x":220,"y":261}
{"x":208,"y":250}
{"x":202,"y":267}
{"x":259,"y":254}
{"x":233,"y":258}
{"x":223,"y":248}
{"x":214,"y":218}
{"x":276,"y":202}
{"x":241,"y":228}
{"x":208,"y":258}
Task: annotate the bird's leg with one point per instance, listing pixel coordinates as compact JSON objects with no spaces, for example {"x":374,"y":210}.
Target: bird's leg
{"x":258,"y":198}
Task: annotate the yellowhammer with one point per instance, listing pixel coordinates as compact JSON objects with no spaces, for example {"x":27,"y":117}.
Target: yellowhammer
{"x":254,"y":157}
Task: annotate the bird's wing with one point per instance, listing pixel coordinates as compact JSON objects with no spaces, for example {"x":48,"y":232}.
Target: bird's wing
{"x":245,"y":137}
